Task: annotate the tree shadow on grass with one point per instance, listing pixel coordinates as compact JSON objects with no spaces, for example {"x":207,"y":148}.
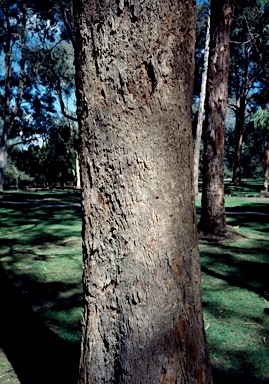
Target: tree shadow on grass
{"x":39,"y":351}
{"x":243,"y":372}
{"x":232,"y":268}
{"x":246,"y":268}
{"x":238,"y":354}
{"x":37,"y":354}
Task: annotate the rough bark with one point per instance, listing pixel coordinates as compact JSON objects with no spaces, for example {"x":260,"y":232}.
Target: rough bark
{"x":213,"y":218}
{"x":9,"y":112}
{"x":201,"y":111}
{"x":142,"y":319}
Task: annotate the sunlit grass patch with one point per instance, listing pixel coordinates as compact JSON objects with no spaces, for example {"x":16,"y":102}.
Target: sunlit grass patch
{"x":235,"y":281}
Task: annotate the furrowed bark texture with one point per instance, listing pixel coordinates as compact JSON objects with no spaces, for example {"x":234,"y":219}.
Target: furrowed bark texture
{"x":142,"y":320}
{"x":213,"y":218}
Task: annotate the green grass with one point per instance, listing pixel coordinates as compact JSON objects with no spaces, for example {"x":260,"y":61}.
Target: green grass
{"x":238,"y":328}
{"x":247,"y":188}
{"x":235,"y":283}
{"x":250,"y":187}
{"x":68,"y":196}
{"x":41,"y":292}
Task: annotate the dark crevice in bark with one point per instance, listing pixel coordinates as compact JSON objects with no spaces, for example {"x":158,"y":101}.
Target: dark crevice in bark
{"x":151,"y":76}
{"x":134,"y":13}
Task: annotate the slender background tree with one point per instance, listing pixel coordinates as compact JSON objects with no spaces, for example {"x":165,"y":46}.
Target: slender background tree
{"x":201,"y":110}
{"x":213,"y":218}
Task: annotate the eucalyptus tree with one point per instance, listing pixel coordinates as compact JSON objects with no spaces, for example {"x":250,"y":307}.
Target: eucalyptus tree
{"x":247,"y":77}
{"x":213,"y":217}
{"x":13,"y":17}
{"x":142,"y":319}
{"x":261,"y":123}
{"x":38,"y":57}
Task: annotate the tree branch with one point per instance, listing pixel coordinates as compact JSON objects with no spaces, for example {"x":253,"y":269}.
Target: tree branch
{"x":59,"y":93}
{"x":22,"y":142}
{"x":67,"y":24}
{"x":254,"y":42}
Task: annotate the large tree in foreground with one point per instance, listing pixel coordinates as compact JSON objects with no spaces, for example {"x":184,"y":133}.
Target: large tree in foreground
{"x":213,"y":218}
{"x":142,"y":320}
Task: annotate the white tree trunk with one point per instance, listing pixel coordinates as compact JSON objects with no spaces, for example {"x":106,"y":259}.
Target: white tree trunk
{"x":77,"y":171}
{"x":199,"y":129}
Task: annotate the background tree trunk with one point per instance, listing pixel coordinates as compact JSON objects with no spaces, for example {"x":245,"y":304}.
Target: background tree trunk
{"x":266,"y":166}
{"x":142,"y":320}
{"x":213,"y":218}
{"x":240,"y":118}
{"x":78,"y":182}
{"x":242,"y":93}
{"x":9,"y":112}
{"x":199,"y":129}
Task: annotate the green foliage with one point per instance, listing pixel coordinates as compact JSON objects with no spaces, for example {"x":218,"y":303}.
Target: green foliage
{"x":261,"y":119}
{"x":58,"y":156}
{"x":49,"y":86}
{"x":248,"y":81}
{"x":51,"y":162}
{"x":14,"y":176}
{"x":255,"y":138}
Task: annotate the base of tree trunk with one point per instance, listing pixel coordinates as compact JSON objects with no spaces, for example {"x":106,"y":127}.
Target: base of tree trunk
{"x":205,"y":229}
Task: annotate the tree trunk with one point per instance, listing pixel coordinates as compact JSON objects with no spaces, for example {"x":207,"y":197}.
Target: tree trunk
{"x":240,"y":117}
{"x":199,"y":129}
{"x":142,"y":319}
{"x":78,"y":182}
{"x":11,"y":113}
{"x":213,"y":218}
{"x":266,"y":166}
{"x":3,"y":163}
{"x":242,"y":91}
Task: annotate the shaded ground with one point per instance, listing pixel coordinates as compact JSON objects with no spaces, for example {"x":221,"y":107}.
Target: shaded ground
{"x":37,"y":354}
{"x":40,"y":293}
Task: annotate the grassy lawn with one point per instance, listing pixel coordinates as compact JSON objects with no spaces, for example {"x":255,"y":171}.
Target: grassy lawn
{"x":235,"y":299}
{"x":41,"y":293}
